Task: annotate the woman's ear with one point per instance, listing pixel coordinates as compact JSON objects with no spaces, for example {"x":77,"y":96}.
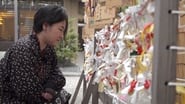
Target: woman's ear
{"x":44,"y":26}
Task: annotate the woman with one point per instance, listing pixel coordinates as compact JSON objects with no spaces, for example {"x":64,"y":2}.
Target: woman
{"x":29,"y":73}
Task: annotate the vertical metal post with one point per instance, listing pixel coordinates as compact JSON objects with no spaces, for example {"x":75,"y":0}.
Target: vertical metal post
{"x":164,"y":61}
{"x":77,"y":88}
{"x":16,"y":26}
{"x":84,"y":85}
{"x":95,"y":95}
{"x":89,"y":90}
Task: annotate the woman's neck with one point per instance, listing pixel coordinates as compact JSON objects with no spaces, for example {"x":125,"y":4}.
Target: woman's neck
{"x":42,"y":41}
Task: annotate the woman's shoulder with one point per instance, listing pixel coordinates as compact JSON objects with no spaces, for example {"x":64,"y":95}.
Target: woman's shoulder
{"x":23,"y":44}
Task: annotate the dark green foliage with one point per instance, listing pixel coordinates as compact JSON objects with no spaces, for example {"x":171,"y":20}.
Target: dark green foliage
{"x":68,"y":48}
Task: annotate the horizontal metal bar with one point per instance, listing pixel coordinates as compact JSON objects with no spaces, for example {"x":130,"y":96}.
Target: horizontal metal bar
{"x":176,"y":12}
{"x":179,"y":48}
{"x":176,"y":84}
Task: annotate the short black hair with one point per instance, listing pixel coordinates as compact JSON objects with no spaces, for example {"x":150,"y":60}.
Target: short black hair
{"x":49,"y":14}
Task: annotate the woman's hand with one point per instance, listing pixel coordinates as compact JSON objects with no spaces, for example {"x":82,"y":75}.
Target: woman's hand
{"x":47,"y":96}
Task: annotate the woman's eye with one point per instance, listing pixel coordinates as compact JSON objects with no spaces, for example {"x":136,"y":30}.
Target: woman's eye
{"x":62,"y":30}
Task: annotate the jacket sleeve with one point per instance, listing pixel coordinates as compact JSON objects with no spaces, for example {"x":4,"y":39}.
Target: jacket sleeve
{"x":56,"y":78}
{"x":24,"y":81}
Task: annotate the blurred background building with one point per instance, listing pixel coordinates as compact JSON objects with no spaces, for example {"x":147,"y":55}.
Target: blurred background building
{"x":16,"y":17}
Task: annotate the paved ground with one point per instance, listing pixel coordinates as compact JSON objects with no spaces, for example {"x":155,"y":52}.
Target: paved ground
{"x":72,"y":75}
{"x":71,"y":86}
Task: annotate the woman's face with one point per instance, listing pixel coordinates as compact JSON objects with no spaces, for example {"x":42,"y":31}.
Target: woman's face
{"x":55,"y":33}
